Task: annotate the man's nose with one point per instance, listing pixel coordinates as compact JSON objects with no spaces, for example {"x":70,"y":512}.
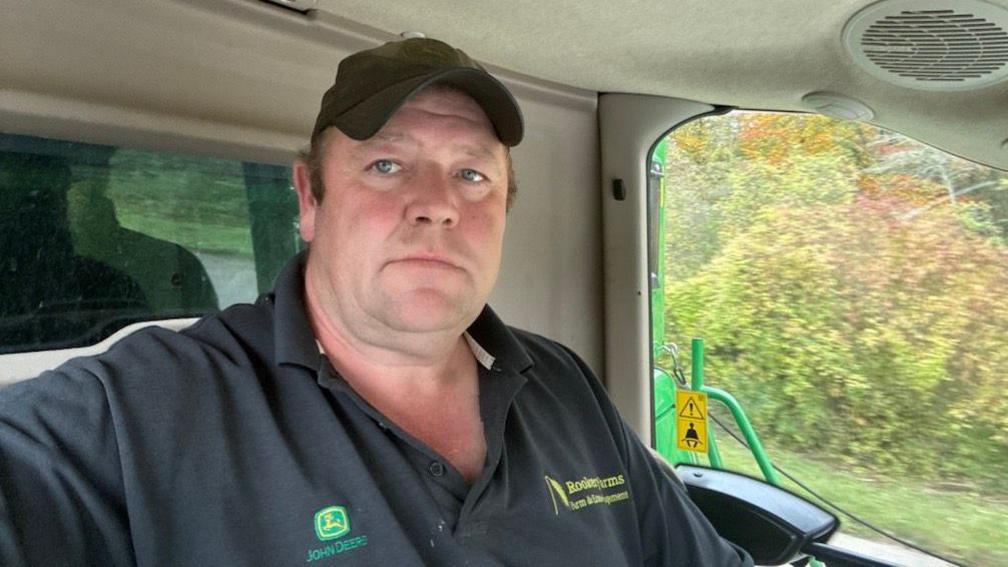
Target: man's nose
{"x":434,"y":202}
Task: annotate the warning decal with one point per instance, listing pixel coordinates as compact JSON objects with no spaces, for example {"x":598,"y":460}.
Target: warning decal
{"x":691,"y":421}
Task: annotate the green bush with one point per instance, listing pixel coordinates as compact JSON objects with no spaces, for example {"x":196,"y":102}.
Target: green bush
{"x":850,"y":309}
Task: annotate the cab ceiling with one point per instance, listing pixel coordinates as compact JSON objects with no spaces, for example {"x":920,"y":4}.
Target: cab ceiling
{"x":250,"y":72}
{"x":758,"y":55}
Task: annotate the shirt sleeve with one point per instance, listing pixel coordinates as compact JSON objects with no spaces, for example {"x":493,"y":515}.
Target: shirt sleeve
{"x":673,"y":530}
{"x":61,"y":487}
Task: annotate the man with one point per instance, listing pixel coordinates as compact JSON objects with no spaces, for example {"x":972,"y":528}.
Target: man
{"x":372,"y":410}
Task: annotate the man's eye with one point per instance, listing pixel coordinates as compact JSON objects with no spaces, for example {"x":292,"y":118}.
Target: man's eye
{"x":472,"y":175}
{"x":385,"y":166}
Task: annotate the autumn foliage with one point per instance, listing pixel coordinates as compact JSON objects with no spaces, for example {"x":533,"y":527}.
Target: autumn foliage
{"x":847,"y":296}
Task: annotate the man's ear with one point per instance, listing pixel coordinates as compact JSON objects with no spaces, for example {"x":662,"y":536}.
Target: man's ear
{"x":307,"y":205}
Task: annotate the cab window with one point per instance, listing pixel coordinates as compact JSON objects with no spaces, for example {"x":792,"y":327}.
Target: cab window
{"x":848,"y":284}
{"x":94,"y":238}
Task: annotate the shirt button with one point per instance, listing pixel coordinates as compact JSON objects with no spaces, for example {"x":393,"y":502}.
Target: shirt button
{"x":436,"y":468}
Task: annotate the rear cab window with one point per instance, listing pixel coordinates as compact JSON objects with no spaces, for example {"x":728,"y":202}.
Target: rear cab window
{"x":95,"y":238}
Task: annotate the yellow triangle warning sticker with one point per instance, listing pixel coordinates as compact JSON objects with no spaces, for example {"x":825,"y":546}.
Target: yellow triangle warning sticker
{"x":691,"y":421}
{"x":693,"y":405}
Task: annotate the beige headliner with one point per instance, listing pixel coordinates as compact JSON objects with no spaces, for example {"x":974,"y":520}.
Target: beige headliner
{"x":760,"y":54}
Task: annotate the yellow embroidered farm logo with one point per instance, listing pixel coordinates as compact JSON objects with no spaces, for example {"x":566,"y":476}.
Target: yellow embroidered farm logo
{"x":587,"y":491}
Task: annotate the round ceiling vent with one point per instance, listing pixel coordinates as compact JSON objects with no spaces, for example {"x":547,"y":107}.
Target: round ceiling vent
{"x":931,"y":44}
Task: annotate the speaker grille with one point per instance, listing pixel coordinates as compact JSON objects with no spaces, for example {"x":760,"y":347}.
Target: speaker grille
{"x":931,"y":45}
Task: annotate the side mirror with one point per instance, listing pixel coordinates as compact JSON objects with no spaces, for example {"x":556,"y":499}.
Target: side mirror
{"x":772,"y":524}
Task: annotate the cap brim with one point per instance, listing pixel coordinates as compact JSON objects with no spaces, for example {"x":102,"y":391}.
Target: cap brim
{"x":364,"y":120}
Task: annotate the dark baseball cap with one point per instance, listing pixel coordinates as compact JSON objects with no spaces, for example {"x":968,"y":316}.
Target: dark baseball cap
{"x":372,"y":84}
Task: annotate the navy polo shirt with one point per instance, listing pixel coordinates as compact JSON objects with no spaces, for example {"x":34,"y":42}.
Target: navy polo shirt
{"x":234,"y":442}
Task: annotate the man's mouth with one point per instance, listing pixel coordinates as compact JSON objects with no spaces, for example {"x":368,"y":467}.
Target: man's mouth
{"x":428,"y":260}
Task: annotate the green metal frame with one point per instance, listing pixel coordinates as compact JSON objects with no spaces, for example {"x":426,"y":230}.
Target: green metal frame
{"x":665,"y":386}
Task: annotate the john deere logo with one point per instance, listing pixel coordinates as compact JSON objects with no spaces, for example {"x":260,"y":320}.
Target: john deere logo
{"x":331,"y":523}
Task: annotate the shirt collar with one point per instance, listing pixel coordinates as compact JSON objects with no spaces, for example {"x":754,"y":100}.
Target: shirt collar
{"x":293,"y":338}
{"x":493,"y":336}
{"x":485,"y":359}
{"x":491,"y":341}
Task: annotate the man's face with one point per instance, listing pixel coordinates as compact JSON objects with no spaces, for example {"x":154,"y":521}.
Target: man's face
{"x":408,"y":234}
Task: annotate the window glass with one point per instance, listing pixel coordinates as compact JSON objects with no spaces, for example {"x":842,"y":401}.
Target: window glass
{"x":93,"y":238}
{"x":849,"y":286}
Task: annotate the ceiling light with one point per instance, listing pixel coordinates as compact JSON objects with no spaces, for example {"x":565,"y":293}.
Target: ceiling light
{"x":837,"y":106}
